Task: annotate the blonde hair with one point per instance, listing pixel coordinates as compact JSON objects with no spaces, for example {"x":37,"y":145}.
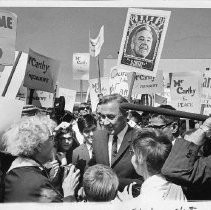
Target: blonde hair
{"x":23,"y":137}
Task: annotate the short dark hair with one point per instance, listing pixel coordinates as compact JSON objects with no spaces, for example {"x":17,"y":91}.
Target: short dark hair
{"x":114,"y":97}
{"x":153,"y":146}
{"x":100,"y":183}
{"x":86,"y":122}
{"x":166,"y":118}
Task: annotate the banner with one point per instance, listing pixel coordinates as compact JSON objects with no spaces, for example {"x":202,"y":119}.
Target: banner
{"x":96,"y":44}
{"x":148,"y":84}
{"x":11,"y":110}
{"x":119,"y":81}
{"x":94,"y":90}
{"x":17,"y":78}
{"x":186,"y":92}
{"x":41,"y":72}
{"x":8,"y":26}
{"x":69,"y":95}
{"x":41,"y":99}
{"x":206,"y":87}
{"x":143,"y":40}
{"x":81,"y":63}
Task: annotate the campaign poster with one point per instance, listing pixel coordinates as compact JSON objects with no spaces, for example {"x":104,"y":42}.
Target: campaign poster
{"x":81,"y":63}
{"x":41,"y":72}
{"x":119,"y":81}
{"x":144,"y":84}
{"x":95,"y":91}
{"x":69,"y":95}
{"x":41,"y":98}
{"x":143,"y":40}
{"x":8,"y":26}
{"x":186,"y":92}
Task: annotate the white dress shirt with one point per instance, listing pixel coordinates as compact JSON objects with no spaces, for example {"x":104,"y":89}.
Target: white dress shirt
{"x":89,"y":147}
{"x":157,"y":187}
{"x":120,"y":136}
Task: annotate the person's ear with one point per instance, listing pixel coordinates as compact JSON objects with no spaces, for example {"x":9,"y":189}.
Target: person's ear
{"x":175,"y":127}
{"x":132,"y":45}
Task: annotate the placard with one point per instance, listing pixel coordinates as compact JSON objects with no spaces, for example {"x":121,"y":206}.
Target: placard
{"x":41,"y":72}
{"x":143,"y":40}
{"x":7,"y":37}
{"x":186,"y":92}
{"x":81,"y":63}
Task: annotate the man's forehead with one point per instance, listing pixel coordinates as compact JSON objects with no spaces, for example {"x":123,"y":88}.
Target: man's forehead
{"x":111,"y":107}
{"x":144,"y":33}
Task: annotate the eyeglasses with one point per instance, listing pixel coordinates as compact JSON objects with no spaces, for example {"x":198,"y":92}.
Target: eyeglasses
{"x":109,"y":116}
{"x":83,"y":108}
{"x":159,"y":126}
{"x":51,"y":138}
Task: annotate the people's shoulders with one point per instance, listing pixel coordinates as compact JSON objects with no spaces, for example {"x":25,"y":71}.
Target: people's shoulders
{"x":27,"y":173}
{"x":79,"y":148}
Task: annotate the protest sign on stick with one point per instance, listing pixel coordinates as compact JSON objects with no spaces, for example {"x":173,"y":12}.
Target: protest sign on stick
{"x":40,"y":98}
{"x":94,"y":90}
{"x":186,"y":91}
{"x":12,"y":76}
{"x":41,"y":72}
{"x":148,"y":84}
{"x":69,"y":95}
{"x":96,"y":44}
{"x":81,"y":62}
{"x":119,"y":81}
{"x":143,"y":40}
{"x":8,"y":22}
{"x":206,"y":87}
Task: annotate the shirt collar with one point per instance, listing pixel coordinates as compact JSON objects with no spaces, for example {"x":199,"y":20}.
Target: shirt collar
{"x":122,"y":133}
{"x":154,"y":182}
{"x":22,"y":162}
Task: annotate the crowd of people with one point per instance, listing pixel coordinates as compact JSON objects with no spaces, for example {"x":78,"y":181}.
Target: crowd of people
{"x":112,"y":155}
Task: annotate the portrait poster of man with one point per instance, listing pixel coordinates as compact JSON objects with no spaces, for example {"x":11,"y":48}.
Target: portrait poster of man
{"x":143,"y":40}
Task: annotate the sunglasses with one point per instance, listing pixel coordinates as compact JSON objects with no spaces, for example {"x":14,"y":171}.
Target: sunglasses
{"x":159,"y":126}
{"x":83,"y":108}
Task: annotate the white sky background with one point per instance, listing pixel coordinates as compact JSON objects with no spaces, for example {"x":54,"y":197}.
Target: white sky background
{"x":58,"y":29}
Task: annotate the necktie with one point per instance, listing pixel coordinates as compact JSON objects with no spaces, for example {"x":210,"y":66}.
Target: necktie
{"x":114,"y":149}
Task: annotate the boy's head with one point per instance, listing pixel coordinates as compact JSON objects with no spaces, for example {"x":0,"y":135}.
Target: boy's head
{"x":100,"y":183}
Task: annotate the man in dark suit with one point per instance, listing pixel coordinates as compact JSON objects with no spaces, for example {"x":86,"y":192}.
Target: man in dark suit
{"x":185,"y":167}
{"x":81,"y":155}
{"x":112,"y":146}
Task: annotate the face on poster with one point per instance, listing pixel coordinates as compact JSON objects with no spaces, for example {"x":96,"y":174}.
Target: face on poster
{"x":143,"y":40}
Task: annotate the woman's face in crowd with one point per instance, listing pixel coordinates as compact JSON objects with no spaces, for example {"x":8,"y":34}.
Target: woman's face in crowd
{"x":88,"y":134}
{"x":66,"y":141}
{"x":46,"y":149}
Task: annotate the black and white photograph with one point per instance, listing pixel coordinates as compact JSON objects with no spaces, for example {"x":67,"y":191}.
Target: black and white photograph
{"x":105,"y":105}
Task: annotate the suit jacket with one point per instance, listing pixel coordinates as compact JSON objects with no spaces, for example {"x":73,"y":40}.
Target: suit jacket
{"x":184,"y":167}
{"x":81,"y":157}
{"x":29,"y":184}
{"x":122,"y":164}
